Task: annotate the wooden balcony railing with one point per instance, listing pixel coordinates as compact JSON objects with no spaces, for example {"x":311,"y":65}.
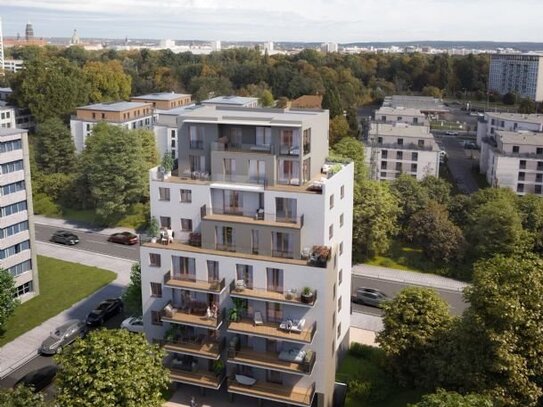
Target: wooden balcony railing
{"x":189,"y":282}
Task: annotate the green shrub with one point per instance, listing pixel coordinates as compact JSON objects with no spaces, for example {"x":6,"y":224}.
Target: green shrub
{"x":359,"y":390}
{"x":137,"y":216}
{"x":44,"y":205}
{"x":359,"y":350}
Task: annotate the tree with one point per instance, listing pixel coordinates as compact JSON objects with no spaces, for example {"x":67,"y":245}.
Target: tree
{"x":331,"y":101}
{"x":526,"y":106}
{"x":132,"y":296}
{"x":54,"y":147}
{"x":531,"y":213}
{"x":349,"y":147}
{"x":8,"y":303}
{"x":442,"y":398}
{"x":339,"y":129}
{"x":432,"y":91}
{"x":438,"y":189}
{"x":352,"y":119}
{"x":411,"y":195}
{"x":413,"y":322}
{"x":431,"y":229}
{"x":505,"y":320}
{"x":148,"y":144}
{"x":108,"y":81}
{"x":111,"y":368}
{"x":509,"y":98}
{"x":266,"y":98}
{"x":114,"y":171}
{"x":50,"y":87}
{"x":21,"y":396}
{"x":375,"y":211}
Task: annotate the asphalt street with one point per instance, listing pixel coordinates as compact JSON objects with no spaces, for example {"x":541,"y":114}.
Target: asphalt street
{"x":461,"y":162}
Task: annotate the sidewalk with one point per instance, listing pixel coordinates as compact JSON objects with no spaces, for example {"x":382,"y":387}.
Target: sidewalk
{"x":24,"y":348}
{"x":408,"y":277}
{"x":75,"y":225}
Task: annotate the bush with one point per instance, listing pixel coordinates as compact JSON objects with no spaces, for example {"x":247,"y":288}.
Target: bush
{"x":44,"y":205}
{"x":359,"y":390}
{"x":137,"y":216}
{"x":359,"y":350}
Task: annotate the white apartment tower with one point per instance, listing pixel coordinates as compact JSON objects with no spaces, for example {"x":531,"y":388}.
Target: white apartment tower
{"x":249,"y":286}
{"x":17,"y":254}
{"x":518,"y":73}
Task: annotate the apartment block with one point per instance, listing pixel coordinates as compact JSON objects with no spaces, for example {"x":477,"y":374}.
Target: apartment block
{"x":400,"y":115}
{"x":252,"y":268}
{"x":426,"y":104}
{"x":514,"y":160}
{"x":493,"y":121}
{"x":164,"y":100}
{"x":393,"y":149}
{"x":17,"y":249}
{"x":232,"y":101}
{"x":518,"y":73}
{"x":13,"y":65}
{"x":131,"y":115}
{"x":7,"y":117}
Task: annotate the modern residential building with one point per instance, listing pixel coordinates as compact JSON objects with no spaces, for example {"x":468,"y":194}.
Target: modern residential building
{"x":237,"y":101}
{"x":400,"y":115}
{"x":514,"y":160}
{"x":393,"y":149}
{"x":493,"y":121}
{"x":518,"y":73}
{"x":329,"y":47}
{"x":7,"y":117}
{"x":23,"y":117}
{"x":426,"y":104}
{"x":307,"y":102}
{"x":132,"y":115}
{"x":164,"y":100}
{"x":13,"y":65}
{"x":248,"y":287}
{"x":17,"y":249}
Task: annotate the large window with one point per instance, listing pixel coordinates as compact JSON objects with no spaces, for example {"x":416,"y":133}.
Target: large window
{"x":23,"y":289}
{"x":212,"y":271}
{"x":13,"y":208}
{"x":10,"y":146}
{"x":12,"y":250}
{"x":14,"y":229}
{"x":245,"y":272}
{"x":282,"y":245}
{"x":156,"y":290}
{"x":196,"y":137}
{"x":164,"y":194}
{"x":12,"y":188}
{"x":154,"y":259}
{"x":224,"y":238}
{"x":11,"y":166}
{"x":20,"y":268}
{"x":185,"y":195}
{"x":275,"y":279}
{"x":307,"y":141}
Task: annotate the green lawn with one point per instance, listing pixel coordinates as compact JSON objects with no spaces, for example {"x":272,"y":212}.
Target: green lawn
{"x":367,"y":368}
{"x":61,"y":285}
{"x":87,"y":216}
{"x":402,"y":256}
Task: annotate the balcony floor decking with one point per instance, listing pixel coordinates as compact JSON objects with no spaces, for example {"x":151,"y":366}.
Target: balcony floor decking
{"x":198,"y":378}
{"x":269,"y":330}
{"x":197,"y":285}
{"x":192,"y":320}
{"x":266,"y":360}
{"x":206,"y":349}
{"x":252,"y":221}
{"x":293,"y":396}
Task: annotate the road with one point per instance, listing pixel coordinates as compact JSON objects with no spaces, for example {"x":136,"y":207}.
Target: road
{"x":460,"y":162}
{"x":92,"y":242}
{"x":391,"y":288}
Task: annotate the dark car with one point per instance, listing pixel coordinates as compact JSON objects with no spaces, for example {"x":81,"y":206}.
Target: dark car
{"x":62,"y":336}
{"x":105,"y":310}
{"x":39,"y":379}
{"x":369,"y":296}
{"x":123,"y":238}
{"x":64,"y":237}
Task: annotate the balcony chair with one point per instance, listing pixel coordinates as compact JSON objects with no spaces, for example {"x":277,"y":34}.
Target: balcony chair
{"x":257,"y":319}
{"x":240,"y":285}
{"x":245,"y":380}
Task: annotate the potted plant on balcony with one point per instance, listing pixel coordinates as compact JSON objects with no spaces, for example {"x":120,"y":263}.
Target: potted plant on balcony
{"x":238,"y":308}
{"x":154,"y":229}
{"x":195,"y":239}
{"x":167,"y":163}
{"x":218,"y":368}
{"x":307,"y":295}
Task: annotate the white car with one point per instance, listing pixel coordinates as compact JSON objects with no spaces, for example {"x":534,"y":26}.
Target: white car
{"x":133,"y":324}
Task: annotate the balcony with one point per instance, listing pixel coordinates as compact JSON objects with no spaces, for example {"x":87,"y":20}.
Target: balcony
{"x":196,"y":144}
{"x":273,"y":331}
{"x":296,"y":396}
{"x":194,"y":315}
{"x":289,"y":297}
{"x":227,"y":145}
{"x":200,"y":378}
{"x":249,"y":180}
{"x":258,"y":218}
{"x":288,"y":149}
{"x":289,"y":361}
{"x":199,"y":346}
{"x":189,"y":283}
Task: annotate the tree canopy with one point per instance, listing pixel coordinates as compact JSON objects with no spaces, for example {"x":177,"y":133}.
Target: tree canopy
{"x":55,"y":151}
{"x":21,"y":396}
{"x":108,"y":81}
{"x":8,"y":303}
{"x":132,"y":299}
{"x":443,"y":398}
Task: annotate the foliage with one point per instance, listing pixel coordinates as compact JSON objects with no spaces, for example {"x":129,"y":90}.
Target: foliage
{"x":526,"y":106}
{"x":352,"y":119}
{"x":266,"y":98}
{"x":239,"y":307}
{"x":431,"y":229}
{"x":54,"y":147}
{"x":331,"y":101}
{"x":21,"y":396}
{"x":154,"y":227}
{"x":44,"y":205}
{"x":442,"y":398}
{"x":351,"y":148}
{"x":531,"y":212}
{"x":509,"y":98}
{"x":339,"y":129}
{"x":132,"y":299}
{"x":112,"y":368}
{"x":438,"y":189}
{"x":411,"y":195}
{"x":413,"y":320}
{"x":148,"y":144}
{"x":8,"y":303}
{"x":375,"y":211}
{"x":115,"y":174}
{"x":136,"y":217}
{"x":167,"y":161}
{"x":432,"y":91}
{"x":108,"y":81}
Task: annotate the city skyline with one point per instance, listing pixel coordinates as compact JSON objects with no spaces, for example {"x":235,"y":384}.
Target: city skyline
{"x":242,"y":20}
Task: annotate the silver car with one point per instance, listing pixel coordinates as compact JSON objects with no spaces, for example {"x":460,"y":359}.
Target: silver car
{"x":369,"y":296}
{"x":62,"y":336}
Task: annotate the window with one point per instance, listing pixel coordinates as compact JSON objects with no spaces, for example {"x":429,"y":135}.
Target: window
{"x":521,"y":176}
{"x":341,"y":220}
{"x":414,"y":156}
{"x":379,"y":140}
{"x":384,"y":153}
{"x":245,"y":272}
{"x":186,"y":225}
{"x":334,"y":291}
{"x":333,"y":348}
{"x":165,"y":222}
{"x":154,"y":259}
{"x":186,"y":195}
{"x":342,"y":192}
{"x":413,"y":167}
{"x":331,"y":201}
{"x":341,"y":248}
{"x":537,"y":189}
{"x":12,"y":188}
{"x":23,"y":289}
{"x":255,"y":241}
{"x":383,"y":165}
{"x":522,"y":164}
{"x":10,"y":146}
{"x":335,"y":260}
{"x":330,"y":231}
{"x":14,"y":229}
{"x":163,"y":194}
{"x":11,"y":167}
{"x":340,"y":276}
{"x":224,"y":236}
{"x":515,"y":149}
{"x":93,"y":115}
{"x":539,"y":150}
{"x":155,"y":318}
{"x":274,"y":279}
{"x":539,"y":165}
{"x":172,"y":144}
{"x":156,"y":290}
{"x":339,"y":303}
{"x":538,"y":177}
{"x":212,"y":271}
{"x":13,"y":250}
{"x":307,"y":141}
{"x":20,"y":268}
{"x":398,"y":166}
{"x":383,"y":174}
{"x":13,"y":208}
{"x":520,"y":187}
{"x":399,"y":155}
{"x":339,"y":330}
{"x":400,"y":141}
{"x":420,"y":143}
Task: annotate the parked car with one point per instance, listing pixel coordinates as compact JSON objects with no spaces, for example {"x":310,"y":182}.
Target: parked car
{"x":123,"y":238}
{"x":470,"y":145}
{"x":133,"y":324}
{"x":105,"y":310}
{"x":369,"y":296}
{"x":39,"y":379}
{"x":65,"y":237}
{"x":62,"y":336}
{"x":451,"y":133}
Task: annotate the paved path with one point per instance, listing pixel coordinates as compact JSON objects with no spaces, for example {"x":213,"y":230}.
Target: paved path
{"x":81,"y":226}
{"x":24,"y":348}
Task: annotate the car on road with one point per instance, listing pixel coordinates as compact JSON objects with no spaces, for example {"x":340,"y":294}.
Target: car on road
{"x":133,"y":324}
{"x":105,"y":310}
{"x":451,"y":133}
{"x":470,"y":145}
{"x":369,"y":296}
{"x":123,"y":238}
{"x":65,"y":237}
{"x":38,"y":379}
{"x":62,"y":336}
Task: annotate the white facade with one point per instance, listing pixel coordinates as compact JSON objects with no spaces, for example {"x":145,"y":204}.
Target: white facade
{"x":234,"y":101}
{"x":393,"y":149}
{"x":401,"y":115}
{"x":263,"y":232}
{"x":13,"y":65}
{"x":7,"y":117}
{"x":518,"y":73}
{"x":494,"y":121}
{"x":329,"y":47}
{"x":16,"y":225}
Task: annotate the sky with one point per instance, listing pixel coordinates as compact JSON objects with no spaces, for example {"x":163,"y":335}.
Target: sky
{"x":280,"y":20}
